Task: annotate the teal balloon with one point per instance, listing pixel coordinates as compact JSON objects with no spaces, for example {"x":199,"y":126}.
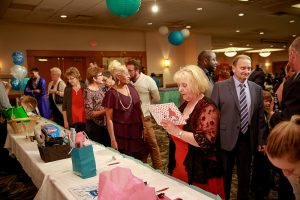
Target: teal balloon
{"x":23,"y":83}
{"x":15,"y":83}
{"x":18,"y":57}
{"x":123,"y":8}
{"x":176,"y":38}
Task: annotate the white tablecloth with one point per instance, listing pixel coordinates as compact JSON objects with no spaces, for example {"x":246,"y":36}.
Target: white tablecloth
{"x":56,"y":180}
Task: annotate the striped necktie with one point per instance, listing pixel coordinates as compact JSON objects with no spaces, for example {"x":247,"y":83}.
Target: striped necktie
{"x":244,"y":109}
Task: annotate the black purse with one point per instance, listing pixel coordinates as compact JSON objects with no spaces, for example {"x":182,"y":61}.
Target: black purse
{"x":58,"y":99}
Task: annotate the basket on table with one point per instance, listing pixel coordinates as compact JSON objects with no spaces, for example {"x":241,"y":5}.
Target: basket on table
{"x":19,"y":121}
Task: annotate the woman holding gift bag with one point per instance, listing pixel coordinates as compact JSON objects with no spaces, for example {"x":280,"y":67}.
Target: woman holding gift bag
{"x":124,"y":115}
{"x":194,"y":155}
{"x":73,"y":102}
{"x":56,"y":89}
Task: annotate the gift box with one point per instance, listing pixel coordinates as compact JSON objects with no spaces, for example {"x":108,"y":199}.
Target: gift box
{"x":50,"y":130}
{"x":15,"y":113}
{"x":55,"y":152}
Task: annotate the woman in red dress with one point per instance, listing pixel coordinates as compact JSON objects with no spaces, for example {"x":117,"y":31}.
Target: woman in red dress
{"x":194,"y":155}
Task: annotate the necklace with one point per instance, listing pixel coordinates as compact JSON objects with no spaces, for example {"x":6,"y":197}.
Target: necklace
{"x":125,"y":108}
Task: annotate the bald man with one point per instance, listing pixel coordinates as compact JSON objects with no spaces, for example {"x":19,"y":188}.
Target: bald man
{"x":207,"y":61}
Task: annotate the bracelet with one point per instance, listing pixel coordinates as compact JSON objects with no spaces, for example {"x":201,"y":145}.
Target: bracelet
{"x":180,"y":134}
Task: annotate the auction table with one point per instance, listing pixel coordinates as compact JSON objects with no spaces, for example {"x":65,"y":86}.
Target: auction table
{"x":56,"y":180}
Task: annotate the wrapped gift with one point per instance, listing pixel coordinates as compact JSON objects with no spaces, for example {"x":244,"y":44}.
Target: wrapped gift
{"x":120,"y":184}
{"x":50,"y":130}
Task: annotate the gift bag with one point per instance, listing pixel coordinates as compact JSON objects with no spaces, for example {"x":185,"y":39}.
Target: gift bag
{"x":120,"y":184}
{"x":83,"y":161}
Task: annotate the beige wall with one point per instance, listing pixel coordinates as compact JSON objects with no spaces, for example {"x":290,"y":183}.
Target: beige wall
{"x":22,"y":37}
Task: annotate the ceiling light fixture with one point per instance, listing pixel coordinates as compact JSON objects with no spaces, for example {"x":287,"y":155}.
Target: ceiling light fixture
{"x":237,"y":31}
{"x":294,"y":35}
{"x":241,"y":14}
{"x":296,"y":5}
{"x":247,"y":45}
{"x":188,"y":27}
{"x":199,"y":9}
{"x":261,"y":33}
{"x":264,"y":53}
{"x":230,"y":52}
{"x":292,"y":21}
{"x":154,"y":8}
{"x":244,"y":0}
{"x":63,"y":16}
{"x":149,"y":23}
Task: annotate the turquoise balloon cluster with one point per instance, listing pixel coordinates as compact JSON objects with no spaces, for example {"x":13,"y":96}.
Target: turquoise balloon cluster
{"x":18,"y":81}
{"x":123,"y":8}
{"x":176,"y":38}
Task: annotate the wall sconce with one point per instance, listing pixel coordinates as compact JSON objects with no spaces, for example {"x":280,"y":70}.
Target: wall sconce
{"x":166,"y":63}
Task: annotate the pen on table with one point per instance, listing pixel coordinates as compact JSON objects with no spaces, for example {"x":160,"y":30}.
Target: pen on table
{"x":164,"y":189}
{"x":113,"y":163}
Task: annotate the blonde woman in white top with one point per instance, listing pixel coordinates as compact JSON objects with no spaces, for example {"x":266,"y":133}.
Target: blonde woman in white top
{"x":56,"y":89}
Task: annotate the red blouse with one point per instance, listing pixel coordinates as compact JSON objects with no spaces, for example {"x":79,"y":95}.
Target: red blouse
{"x":78,"y":113}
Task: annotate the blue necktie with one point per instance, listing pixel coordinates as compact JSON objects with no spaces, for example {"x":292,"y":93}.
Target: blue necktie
{"x":244,"y":109}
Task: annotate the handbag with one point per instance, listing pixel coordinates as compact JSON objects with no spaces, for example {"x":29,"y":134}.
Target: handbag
{"x":83,"y":161}
{"x":58,"y":99}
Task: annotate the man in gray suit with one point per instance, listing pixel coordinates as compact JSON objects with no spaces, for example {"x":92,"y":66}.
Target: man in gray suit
{"x":241,"y":123}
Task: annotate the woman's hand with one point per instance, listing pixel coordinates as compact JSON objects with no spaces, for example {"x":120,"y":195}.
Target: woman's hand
{"x":170,"y":127}
{"x":114,"y":144}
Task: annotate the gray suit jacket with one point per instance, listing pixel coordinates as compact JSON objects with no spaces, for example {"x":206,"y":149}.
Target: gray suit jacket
{"x":225,"y":96}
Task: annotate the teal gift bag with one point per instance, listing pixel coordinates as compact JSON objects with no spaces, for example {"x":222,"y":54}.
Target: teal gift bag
{"x":83,"y":161}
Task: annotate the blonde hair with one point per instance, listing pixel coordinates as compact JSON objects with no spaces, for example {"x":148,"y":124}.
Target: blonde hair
{"x":116,"y":68}
{"x":73,"y":71}
{"x":284,"y":140}
{"x":55,"y":70}
{"x":195,"y":78}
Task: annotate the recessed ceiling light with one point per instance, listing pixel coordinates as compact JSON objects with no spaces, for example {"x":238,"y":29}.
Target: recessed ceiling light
{"x":241,"y":14}
{"x":261,"y":33}
{"x":149,"y":23}
{"x":271,"y":45}
{"x":284,"y":46}
{"x":292,"y":21}
{"x":237,"y":31}
{"x":188,"y":27}
{"x":230,"y":44}
{"x":296,"y":5}
{"x":244,"y":0}
{"x":63,"y":16}
{"x":247,"y":45}
{"x":154,"y":8}
{"x":199,"y":9}
{"x":294,"y":35}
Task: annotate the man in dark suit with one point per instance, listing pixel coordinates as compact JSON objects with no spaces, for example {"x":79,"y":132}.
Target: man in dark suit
{"x":290,"y":105}
{"x":207,"y":61}
{"x":257,"y":76}
{"x":242,"y":123}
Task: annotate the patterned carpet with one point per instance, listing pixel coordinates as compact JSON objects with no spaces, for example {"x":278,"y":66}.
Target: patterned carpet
{"x":16,"y":185}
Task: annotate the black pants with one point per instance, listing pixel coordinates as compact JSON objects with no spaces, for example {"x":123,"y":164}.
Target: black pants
{"x":261,"y":176}
{"x":241,"y":154}
{"x":97,"y":133}
{"x":79,"y":126}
